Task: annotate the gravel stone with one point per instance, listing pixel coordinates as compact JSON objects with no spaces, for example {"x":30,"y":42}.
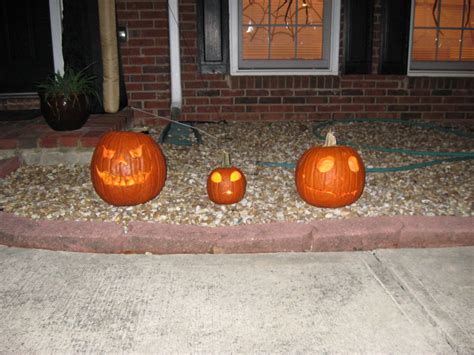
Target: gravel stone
{"x":65,"y":191}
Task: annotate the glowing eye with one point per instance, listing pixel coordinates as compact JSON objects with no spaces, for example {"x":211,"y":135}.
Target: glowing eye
{"x":108,"y":153}
{"x":325,"y":164}
{"x":137,"y":152}
{"x":235,"y":176}
{"x":353,"y":164}
{"x":216,"y":177}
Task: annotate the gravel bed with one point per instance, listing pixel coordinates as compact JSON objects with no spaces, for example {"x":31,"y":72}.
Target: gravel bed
{"x":65,"y":191}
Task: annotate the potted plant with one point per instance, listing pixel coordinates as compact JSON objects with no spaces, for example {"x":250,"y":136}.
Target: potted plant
{"x":65,"y":99}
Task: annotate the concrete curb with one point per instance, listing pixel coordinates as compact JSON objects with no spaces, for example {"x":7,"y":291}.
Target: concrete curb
{"x":317,"y":236}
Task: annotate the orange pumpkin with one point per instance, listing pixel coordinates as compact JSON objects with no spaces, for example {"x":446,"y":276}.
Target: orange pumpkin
{"x":127,"y":168}
{"x":226,"y":184}
{"x":330,"y":176}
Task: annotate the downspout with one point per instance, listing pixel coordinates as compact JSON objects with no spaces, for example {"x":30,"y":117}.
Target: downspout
{"x":175,"y":59}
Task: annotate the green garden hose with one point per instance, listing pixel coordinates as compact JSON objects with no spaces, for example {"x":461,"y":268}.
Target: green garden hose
{"x":450,"y":156}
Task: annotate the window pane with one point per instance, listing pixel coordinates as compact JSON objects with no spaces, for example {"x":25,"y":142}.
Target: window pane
{"x":284,"y":34}
{"x":468,"y":46}
{"x":424,"y":45}
{"x":469,"y":22}
{"x":255,"y":12}
{"x":451,"y":13}
{"x":424,"y":13}
{"x":283,"y":45}
{"x":310,"y":12}
{"x":449,"y":45}
{"x":255,"y":42}
{"x":289,"y":21}
{"x":283,"y":12}
{"x":310,"y":40}
{"x":442,"y":36}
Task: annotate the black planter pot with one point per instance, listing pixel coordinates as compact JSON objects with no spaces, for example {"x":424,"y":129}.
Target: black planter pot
{"x":63,"y":114}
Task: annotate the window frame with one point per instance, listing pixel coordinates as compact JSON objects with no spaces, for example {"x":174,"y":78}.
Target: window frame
{"x":333,"y":55}
{"x":434,"y":68}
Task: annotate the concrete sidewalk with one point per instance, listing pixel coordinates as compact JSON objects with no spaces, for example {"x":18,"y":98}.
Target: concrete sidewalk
{"x":387,"y":301}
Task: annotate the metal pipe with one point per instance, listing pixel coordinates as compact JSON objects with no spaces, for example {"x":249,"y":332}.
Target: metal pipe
{"x":175,"y":58}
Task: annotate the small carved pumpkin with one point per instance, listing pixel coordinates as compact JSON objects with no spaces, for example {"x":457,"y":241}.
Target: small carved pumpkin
{"x":226,"y":184}
{"x":127,"y":168}
{"x":330,"y":176}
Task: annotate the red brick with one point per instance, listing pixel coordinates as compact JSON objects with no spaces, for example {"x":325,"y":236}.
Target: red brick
{"x":233,"y":108}
{"x":221,"y":101}
{"x":329,"y":108}
{"x":341,"y":99}
{"x":152,"y":14}
{"x":141,"y":42}
{"x":353,"y":108}
{"x":140,"y":24}
{"x":386,"y":100}
{"x":143,"y":95}
{"x":198,"y":100}
{"x":273,"y":116}
{"x":7,"y":143}
{"x":68,"y":141}
{"x":375,"y":108}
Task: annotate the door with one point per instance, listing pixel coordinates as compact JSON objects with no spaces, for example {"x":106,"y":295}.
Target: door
{"x":26,"y":53}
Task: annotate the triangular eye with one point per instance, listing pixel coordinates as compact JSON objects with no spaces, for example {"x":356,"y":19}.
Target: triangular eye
{"x":216,"y":177}
{"x":235,"y":176}
{"x":353,"y":164}
{"x":108,"y":153}
{"x":137,"y":152}
{"x":325,"y":164}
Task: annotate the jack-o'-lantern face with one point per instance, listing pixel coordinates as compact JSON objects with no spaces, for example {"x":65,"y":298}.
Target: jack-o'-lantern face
{"x":226,"y":185}
{"x":330,"y":176}
{"x":123,"y":162}
{"x":127,"y":168}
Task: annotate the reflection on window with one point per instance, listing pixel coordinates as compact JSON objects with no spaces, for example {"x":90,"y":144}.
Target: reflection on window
{"x":443,"y":31}
{"x":282,"y":29}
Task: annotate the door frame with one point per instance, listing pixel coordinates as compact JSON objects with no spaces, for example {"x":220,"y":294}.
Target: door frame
{"x":55,"y":14}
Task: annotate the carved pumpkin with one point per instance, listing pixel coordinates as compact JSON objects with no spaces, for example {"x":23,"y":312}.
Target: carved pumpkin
{"x":226,"y":184}
{"x":127,"y":168}
{"x":331,"y":175}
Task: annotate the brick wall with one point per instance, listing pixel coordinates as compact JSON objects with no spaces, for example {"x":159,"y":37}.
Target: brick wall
{"x":223,"y":97}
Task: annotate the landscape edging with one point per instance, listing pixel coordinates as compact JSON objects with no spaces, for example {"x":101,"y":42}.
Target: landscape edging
{"x":364,"y":233}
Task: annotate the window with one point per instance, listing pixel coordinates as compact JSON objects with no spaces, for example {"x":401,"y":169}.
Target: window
{"x":284,"y":36}
{"x":442,"y":37}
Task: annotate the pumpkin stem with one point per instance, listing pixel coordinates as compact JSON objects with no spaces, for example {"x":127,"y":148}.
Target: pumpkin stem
{"x":225,"y":159}
{"x":330,"y":139}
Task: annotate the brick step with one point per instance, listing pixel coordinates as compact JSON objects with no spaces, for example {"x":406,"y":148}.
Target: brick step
{"x":37,"y":134}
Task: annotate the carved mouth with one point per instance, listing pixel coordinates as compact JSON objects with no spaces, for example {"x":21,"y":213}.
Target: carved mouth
{"x":330,"y":193}
{"x":333,"y":194}
{"x":110,"y":179}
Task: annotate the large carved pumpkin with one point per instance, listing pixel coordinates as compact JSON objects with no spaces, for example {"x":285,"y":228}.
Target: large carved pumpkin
{"x":226,"y":184}
{"x":331,"y":175}
{"x":127,"y":168}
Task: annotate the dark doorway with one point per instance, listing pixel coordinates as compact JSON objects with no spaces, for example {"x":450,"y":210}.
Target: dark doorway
{"x":25,"y":45}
